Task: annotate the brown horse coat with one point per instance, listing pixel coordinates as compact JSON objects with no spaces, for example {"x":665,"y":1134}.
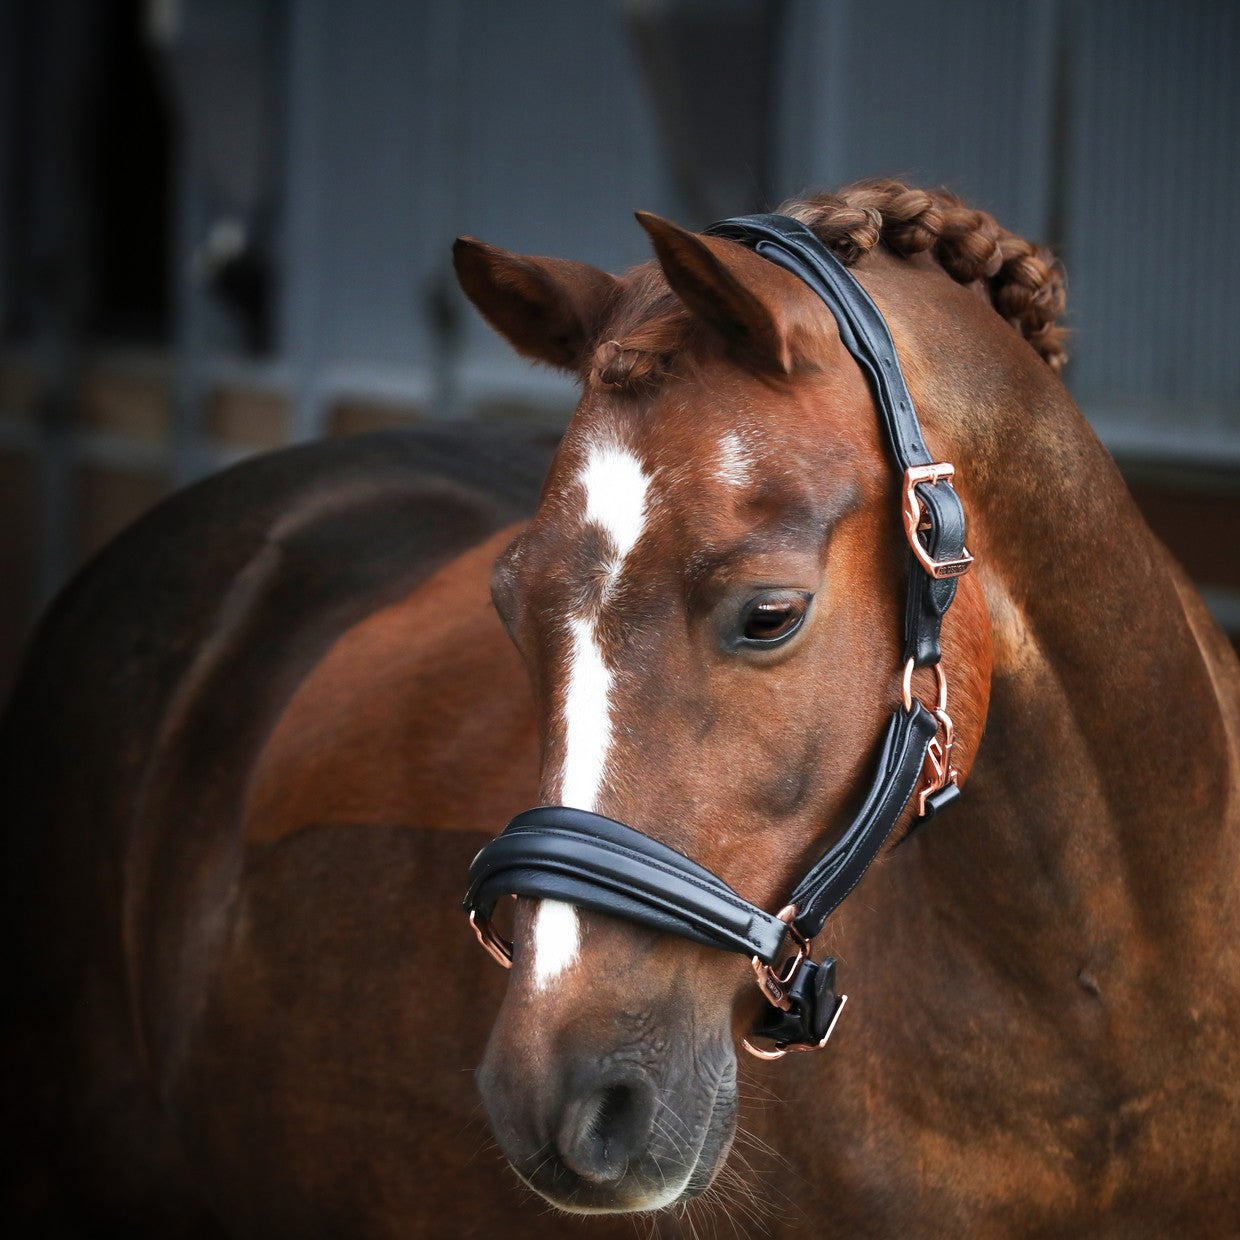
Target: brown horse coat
{"x":258,"y":740}
{"x":198,"y":982}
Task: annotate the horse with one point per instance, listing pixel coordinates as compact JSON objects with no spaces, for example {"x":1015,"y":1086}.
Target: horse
{"x":245,"y":785}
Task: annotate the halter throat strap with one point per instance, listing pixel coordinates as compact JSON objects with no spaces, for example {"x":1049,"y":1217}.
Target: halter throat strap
{"x":555,"y":852}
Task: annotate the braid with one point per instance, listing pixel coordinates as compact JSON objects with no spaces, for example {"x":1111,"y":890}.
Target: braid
{"x":1024,"y":283}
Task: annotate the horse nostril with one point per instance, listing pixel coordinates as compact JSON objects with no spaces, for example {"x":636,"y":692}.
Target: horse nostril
{"x":605,"y":1128}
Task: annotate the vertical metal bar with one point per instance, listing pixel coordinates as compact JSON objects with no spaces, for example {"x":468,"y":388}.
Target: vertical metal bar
{"x":303,"y":172}
{"x":1059,"y":18}
{"x":187,"y":456}
{"x":834,"y":131}
{"x":810,"y":122}
{"x":9,"y":110}
{"x":446,"y":99}
{"x":63,"y":40}
{"x":56,"y":498}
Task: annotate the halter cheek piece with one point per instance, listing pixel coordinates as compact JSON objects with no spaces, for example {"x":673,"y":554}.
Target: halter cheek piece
{"x":585,"y":859}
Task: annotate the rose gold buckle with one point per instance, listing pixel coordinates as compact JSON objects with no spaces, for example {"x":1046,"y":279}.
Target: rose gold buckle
{"x":499,"y":947}
{"x":773,"y":985}
{"x":938,"y":759}
{"x":914,"y":520}
{"x":938,"y":752}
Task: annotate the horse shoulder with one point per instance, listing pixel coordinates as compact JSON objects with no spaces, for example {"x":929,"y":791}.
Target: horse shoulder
{"x":420,"y":713}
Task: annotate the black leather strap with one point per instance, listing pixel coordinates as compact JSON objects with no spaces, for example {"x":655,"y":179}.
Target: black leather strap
{"x":559,"y":853}
{"x":928,"y":599}
{"x":791,"y":245}
{"x":901,"y":758}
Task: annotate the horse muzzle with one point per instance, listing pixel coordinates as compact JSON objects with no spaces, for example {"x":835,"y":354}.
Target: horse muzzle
{"x":616,"y":1132}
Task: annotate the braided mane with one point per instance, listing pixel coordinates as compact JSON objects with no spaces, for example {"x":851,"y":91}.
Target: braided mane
{"x":1024,"y":283}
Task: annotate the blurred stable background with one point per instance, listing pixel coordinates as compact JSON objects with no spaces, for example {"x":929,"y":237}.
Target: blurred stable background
{"x":226,"y":223}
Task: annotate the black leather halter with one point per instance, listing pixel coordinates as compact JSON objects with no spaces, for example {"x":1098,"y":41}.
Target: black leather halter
{"x":559,"y":853}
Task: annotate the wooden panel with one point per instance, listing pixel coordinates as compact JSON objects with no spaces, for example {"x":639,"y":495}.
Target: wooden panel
{"x":125,"y":400}
{"x":1195,"y":513}
{"x":533,"y":413}
{"x":1199,"y":529}
{"x":354,"y":417}
{"x":247,"y":418}
{"x":21,"y":387}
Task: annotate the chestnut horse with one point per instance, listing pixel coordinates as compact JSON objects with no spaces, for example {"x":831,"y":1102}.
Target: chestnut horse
{"x":258,"y":741}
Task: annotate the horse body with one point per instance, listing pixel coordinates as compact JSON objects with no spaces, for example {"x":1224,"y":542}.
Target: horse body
{"x":254,"y":985}
{"x":195,"y":1043}
{"x":1047,"y":1040}
{"x":1054,"y":965}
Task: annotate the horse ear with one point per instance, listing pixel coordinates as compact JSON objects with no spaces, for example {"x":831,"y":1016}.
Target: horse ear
{"x":546,"y":308}
{"x":760,"y":310}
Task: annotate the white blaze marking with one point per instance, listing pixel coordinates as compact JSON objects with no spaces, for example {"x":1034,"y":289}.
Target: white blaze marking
{"x":587,"y":719}
{"x":557,"y":940}
{"x":615,"y":485}
{"x":735,"y":462}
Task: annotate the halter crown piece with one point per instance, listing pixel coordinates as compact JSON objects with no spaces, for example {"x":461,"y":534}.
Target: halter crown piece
{"x":559,"y":853}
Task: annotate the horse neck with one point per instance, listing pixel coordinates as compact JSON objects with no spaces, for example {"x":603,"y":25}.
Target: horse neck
{"x":1103,"y":802}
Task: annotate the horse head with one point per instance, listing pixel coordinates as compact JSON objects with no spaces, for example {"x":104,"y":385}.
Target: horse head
{"x":708,"y":602}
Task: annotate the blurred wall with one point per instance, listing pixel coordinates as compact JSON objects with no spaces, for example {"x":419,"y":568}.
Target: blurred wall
{"x":226,"y":223}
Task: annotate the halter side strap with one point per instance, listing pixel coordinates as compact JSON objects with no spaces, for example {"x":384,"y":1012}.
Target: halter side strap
{"x":791,"y":245}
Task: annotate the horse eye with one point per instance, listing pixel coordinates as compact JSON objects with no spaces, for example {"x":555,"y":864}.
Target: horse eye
{"x":772,"y":618}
